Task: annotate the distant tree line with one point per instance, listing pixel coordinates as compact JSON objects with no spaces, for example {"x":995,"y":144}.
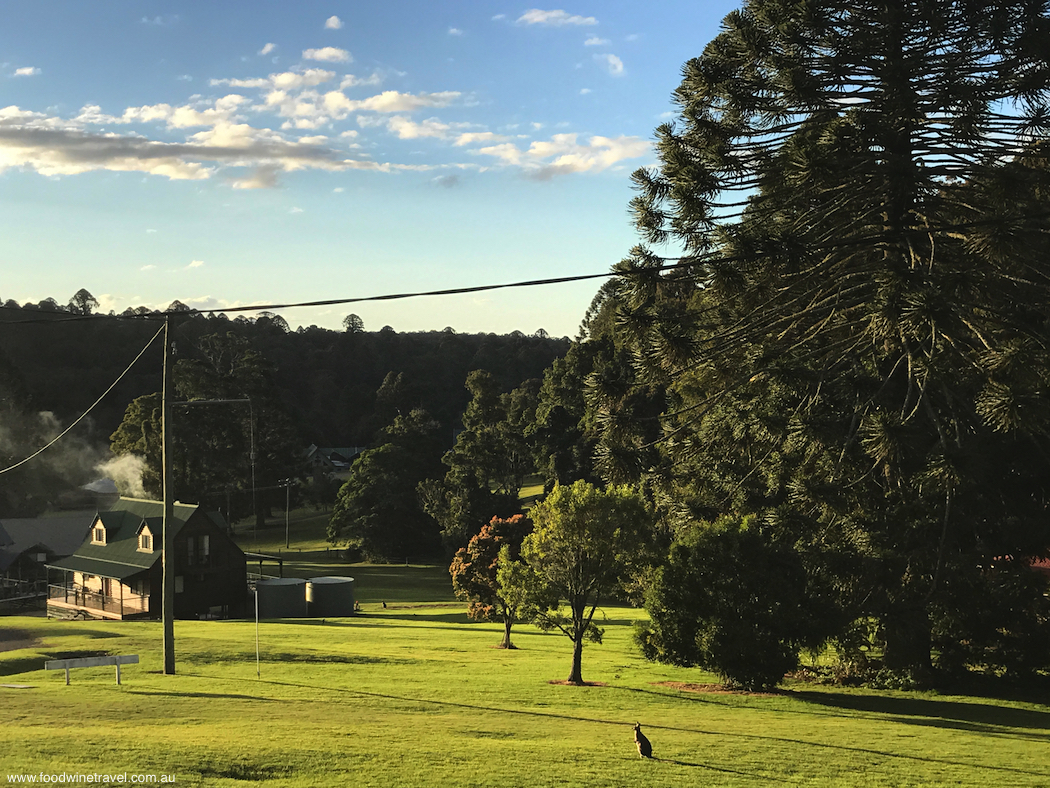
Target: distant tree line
{"x":311,"y":385}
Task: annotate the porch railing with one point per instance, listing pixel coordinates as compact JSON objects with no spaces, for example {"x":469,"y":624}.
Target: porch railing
{"x":93,"y":600}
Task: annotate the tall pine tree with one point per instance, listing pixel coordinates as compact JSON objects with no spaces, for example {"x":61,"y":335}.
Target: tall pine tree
{"x":855,"y":337}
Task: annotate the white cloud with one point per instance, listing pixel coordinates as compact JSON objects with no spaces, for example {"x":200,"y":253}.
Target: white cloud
{"x":224,"y":110}
{"x":559,"y":18}
{"x":474,"y":137}
{"x":151,"y":230}
{"x":562,"y":154}
{"x":147,"y":268}
{"x":408,"y":129}
{"x":632,"y":37}
{"x":338,"y":190}
{"x":611,"y":63}
{"x":333,"y":23}
{"x":584,"y":91}
{"x":195,"y":264}
{"x":27,"y":71}
{"x":184,"y":78}
{"x":389,"y":101}
{"x":267,"y":49}
{"x":51,"y":147}
{"x":498,"y":17}
{"x":296,"y":210}
{"x":261,"y":178}
{"x":350,"y":81}
{"x":285,"y":80}
{"x":594,"y":41}
{"x":455,"y":31}
{"x":328,"y":55}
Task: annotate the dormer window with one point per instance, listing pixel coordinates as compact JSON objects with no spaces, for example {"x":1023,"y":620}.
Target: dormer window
{"x":145,"y":539}
{"x":98,"y":534}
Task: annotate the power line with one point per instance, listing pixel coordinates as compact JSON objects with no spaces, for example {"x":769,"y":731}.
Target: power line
{"x":671,"y":263}
{"x":85,"y":413}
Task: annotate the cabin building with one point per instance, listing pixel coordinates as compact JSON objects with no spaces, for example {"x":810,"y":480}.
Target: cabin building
{"x":117,"y":571}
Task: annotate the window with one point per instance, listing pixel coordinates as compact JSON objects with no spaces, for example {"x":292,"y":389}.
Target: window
{"x":98,"y":535}
{"x":146,"y":541}
{"x":198,"y":549}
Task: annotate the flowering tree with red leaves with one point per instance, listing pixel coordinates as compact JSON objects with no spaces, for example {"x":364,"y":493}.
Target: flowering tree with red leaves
{"x":474,"y":571}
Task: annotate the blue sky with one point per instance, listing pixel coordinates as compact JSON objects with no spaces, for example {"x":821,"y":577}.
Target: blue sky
{"x":235,"y":153}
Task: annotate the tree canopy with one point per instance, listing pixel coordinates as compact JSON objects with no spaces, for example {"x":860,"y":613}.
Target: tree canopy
{"x":585,"y":541}
{"x":475,"y":571}
{"x":854,"y":342}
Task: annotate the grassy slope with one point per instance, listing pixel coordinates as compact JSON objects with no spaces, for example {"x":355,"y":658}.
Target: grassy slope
{"x":414,"y":694}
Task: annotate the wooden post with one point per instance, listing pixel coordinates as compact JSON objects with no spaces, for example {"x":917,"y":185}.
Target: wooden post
{"x":168,"y":547}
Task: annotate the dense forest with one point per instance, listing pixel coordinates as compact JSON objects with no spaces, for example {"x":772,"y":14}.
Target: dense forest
{"x":333,"y":388}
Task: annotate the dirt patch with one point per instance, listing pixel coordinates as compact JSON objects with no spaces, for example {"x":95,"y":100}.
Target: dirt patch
{"x":14,"y":639}
{"x":712,"y":689}
{"x":564,"y":683}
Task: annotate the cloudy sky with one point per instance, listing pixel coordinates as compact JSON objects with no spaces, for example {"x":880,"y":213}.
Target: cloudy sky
{"x":233,"y":153}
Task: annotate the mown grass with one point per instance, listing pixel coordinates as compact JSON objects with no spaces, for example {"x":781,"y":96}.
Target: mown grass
{"x":415,"y":695}
{"x":307,"y":531}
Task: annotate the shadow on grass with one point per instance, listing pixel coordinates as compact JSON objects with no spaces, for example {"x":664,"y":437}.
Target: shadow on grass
{"x":307,"y":657}
{"x":12,"y":667}
{"x":723,"y":770}
{"x":977,"y":717}
{"x":209,"y":695}
{"x":755,"y":737}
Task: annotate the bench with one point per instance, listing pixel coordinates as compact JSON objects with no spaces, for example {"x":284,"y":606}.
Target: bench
{"x":91,"y":662}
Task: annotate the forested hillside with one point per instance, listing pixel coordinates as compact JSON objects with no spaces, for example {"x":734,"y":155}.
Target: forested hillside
{"x":311,"y":385}
{"x":327,"y":380}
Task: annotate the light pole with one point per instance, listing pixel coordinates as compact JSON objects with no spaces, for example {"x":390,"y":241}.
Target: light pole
{"x":287,"y":502}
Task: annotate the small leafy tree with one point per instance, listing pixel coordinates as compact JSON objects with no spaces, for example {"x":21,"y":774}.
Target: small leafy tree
{"x":585,"y":541}
{"x":353,"y":324}
{"x":475,"y":568}
{"x":731,"y":600}
{"x":82,"y":302}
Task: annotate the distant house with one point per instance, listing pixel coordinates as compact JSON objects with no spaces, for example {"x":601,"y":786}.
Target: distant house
{"x":28,"y":545}
{"x":330,"y":460}
{"x":117,"y":571}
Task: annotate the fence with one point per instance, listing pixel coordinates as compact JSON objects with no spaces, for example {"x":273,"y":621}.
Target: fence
{"x":73,"y":596}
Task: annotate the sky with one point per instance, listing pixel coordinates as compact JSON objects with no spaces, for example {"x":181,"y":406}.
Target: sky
{"x":243,"y":153}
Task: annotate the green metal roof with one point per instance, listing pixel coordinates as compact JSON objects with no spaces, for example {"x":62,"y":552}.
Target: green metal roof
{"x":97,"y":566}
{"x":120,"y":556}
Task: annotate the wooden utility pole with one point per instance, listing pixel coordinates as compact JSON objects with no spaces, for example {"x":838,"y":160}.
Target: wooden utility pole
{"x":168,"y":549}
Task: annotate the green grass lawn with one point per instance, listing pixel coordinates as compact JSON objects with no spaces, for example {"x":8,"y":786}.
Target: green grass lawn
{"x":415,"y":695}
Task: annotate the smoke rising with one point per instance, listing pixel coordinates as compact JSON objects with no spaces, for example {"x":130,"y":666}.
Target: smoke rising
{"x":126,"y":471}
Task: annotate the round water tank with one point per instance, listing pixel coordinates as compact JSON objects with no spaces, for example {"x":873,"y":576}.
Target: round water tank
{"x":282,"y":597}
{"x":330,"y":597}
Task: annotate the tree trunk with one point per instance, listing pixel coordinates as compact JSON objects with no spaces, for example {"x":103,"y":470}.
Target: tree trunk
{"x":576,"y":676}
{"x":908,"y":642}
{"x":507,"y":623}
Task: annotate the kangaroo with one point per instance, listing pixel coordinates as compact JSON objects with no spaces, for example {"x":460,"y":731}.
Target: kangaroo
{"x":645,"y":749}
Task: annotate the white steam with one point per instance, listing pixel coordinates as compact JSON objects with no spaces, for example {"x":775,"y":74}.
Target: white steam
{"x":126,"y":471}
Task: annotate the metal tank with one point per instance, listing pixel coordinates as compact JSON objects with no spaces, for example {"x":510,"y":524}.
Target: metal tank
{"x":330,"y":597}
{"x":282,"y":597}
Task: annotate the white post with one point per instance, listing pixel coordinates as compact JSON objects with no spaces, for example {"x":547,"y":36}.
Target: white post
{"x":258,"y":673}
